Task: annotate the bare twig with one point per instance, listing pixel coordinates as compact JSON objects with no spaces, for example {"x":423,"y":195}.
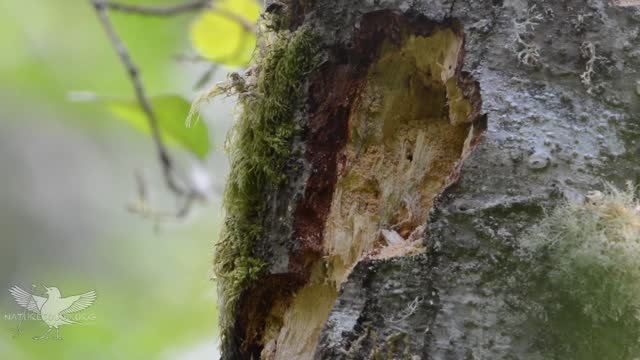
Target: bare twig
{"x":183,"y":189}
{"x":247,"y":26}
{"x":168,"y":169}
{"x":190,"y":6}
{"x":206,"y":76}
{"x":191,"y":58}
{"x":142,"y":208}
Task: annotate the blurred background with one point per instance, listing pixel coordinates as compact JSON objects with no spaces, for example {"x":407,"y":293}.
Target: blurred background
{"x":67,"y":176}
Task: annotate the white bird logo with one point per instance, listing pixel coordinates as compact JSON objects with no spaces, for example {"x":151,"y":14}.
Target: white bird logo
{"x":53,"y":308}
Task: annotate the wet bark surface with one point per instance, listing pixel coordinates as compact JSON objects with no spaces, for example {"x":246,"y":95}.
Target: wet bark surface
{"x":558,"y":82}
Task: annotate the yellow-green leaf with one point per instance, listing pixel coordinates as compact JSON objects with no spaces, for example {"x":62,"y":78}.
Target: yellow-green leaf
{"x":171,"y":111}
{"x":223,"y":34}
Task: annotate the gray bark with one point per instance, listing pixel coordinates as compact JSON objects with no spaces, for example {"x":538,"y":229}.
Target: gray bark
{"x":550,"y":136}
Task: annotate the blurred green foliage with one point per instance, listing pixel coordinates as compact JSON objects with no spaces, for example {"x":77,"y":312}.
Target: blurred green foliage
{"x":171,"y":112}
{"x":155,"y":299}
{"x":234,"y":43}
{"x":52,"y":48}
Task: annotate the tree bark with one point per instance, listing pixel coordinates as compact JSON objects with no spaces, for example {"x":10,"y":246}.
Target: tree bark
{"x":434,"y":134}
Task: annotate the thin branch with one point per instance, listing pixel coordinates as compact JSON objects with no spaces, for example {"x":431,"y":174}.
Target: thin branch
{"x":134,"y":75}
{"x":191,"y":58}
{"x":246,"y":25}
{"x":142,"y":208}
{"x":181,"y":189}
{"x":190,"y":6}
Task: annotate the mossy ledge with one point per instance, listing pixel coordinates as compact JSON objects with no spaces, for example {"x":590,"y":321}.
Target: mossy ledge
{"x":259,"y":147}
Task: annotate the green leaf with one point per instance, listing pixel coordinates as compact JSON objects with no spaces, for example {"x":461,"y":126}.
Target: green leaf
{"x":171,"y":111}
{"x":222,"y":34}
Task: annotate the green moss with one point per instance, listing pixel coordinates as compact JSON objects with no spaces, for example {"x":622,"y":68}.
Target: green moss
{"x":587,"y":257}
{"x":279,"y":19}
{"x":259,"y":146}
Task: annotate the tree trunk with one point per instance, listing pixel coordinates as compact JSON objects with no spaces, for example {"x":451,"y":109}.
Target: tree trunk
{"x":431,"y":134}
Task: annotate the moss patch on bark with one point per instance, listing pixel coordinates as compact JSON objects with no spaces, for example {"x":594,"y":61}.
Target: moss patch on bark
{"x":586,"y":258}
{"x":259,"y":147}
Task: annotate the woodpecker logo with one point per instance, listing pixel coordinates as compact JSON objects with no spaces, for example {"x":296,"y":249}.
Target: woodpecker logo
{"x":52,"y":309}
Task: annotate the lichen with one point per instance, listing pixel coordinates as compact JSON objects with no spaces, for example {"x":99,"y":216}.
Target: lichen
{"x":527,"y":51}
{"x":259,"y":146}
{"x":587,"y":262}
{"x":588,"y":52}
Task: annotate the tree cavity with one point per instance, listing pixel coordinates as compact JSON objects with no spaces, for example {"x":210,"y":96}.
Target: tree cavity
{"x":412,"y":124}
